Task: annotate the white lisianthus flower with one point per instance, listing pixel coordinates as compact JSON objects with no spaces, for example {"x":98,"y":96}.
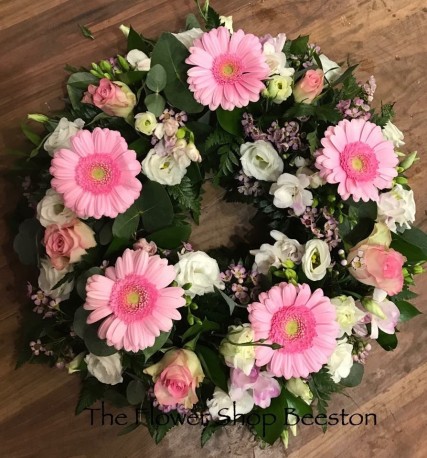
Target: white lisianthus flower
{"x":146,"y":123}
{"x":392,"y":133}
{"x":51,"y":210}
{"x":279,"y":88}
{"x":316,"y":259}
{"x":341,"y":361}
{"x":187,"y":38}
{"x":49,"y":277}
{"x":199,"y":269}
{"x":60,"y":137}
{"x":299,"y":388}
{"x":138,"y":60}
{"x":221,"y":404}
{"x":273,"y":255}
{"x":239,"y":356}
{"x":396,"y":208}
{"x":107,"y":369}
{"x":261,"y":161}
{"x":331,"y":69}
{"x":348,"y":315}
{"x":290,"y":192}
{"x":163,"y":169}
{"x":227,"y":22}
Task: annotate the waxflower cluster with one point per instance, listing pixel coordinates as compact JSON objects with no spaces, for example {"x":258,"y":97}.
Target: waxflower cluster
{"x":149,"y":318}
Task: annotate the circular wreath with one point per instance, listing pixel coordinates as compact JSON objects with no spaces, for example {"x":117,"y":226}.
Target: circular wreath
{"x":285,"y":318}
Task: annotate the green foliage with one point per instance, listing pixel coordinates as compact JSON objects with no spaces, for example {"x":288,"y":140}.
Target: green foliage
{"x":155,"y":103}
{"x":191,"y":22}
{"x":231,"y":121}
{"x":77,"y":84}
{"x":135,"y":392}
{"x":126,"y":224}
{"x":208,"y":432}
{"x":355,"y":377}
{"x":299,"y":46}
{"x":387,"y":341}
{"x":94,"y":344}
{"x":156,"y":206}
{"x":231,"y":304}
{"x":86,"y":32}
{"x":137,"y":41}
{"x":91,"y":391}
{"x":79,"y":323}
{"x":407,"y":310}
{"x":171,"y":237}
{"x":188,"y":195}
{"x":27,"y":242}
{"x":213,"y":366}
{"x":156,"y":78}
{"x":158,"y":344}
{"x":82,"y":280}
{"x":386,"y":114}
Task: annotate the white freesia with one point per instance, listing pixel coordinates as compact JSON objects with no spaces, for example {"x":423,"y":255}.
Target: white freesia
{"x":199,"y":269}
{"x":274,"y":55}
{"x":221,"y":405}
{"x":107,"y":369}
{"x":392,"y":133}
{"x":396,"y":208}
{"x":348,"y":315}
{"x":49,"y":277}
{"x":51,"y":210}
{"x":60,"y":137}
{"x":227,"y":22}
{"x":187,"y":38}
{"x":261,"y":161}
{"x":341,"y":361}
{"x":331,"y":69}
{"x":146,"y":123}
{"x":316,"y":259}
{"x":384,"y":314}
{"x":299,"y":388}
{"x":138,"y":60}
{"x":163,"y":169}
{"x":239,"y":356}
{"x":315,"y":179}
{"x":283,"y":250}
{"x":290,"y":192}
{"x":193,"y":153}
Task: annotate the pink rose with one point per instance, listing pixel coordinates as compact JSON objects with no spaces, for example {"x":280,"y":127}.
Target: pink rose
{"x":68,"y":243}
{"x":176,"y":377}
{"x":309,"y":87}
{"x":144,"y":244}
{"x":112,"y":97}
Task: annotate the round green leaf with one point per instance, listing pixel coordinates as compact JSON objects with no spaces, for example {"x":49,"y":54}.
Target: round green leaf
{"x":156,"y":78}
{"x":79,"y":323}
{"x":155,"y":103}
{"x":157,"y":209}
{"x":94,"y":344}
{"x":171,"y":237}
{"x":355,"y":376}
{"x":135,"y":392}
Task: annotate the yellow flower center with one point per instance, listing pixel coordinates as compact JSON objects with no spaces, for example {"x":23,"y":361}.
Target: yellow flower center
{"x":291,"y":328}
{"x":228,"y":69}
{"x":98,"y":173}
{"x":132,"y":299}
{"x":357,"y":163}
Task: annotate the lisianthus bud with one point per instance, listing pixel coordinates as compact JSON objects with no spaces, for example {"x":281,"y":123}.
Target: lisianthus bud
{"x":76,"y":363}
{"x":38,"y":117}
{"x":409,"y":160}
{"x":145,"y":122}
{"x":373,"y":307}
{"x":125,"y":30}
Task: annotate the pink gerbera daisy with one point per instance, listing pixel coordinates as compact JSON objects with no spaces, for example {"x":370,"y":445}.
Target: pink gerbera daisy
{"x":97,"y":174}
{"x":135,"y":299}
{"x":228,"y":69}
{"x":303,"y":323}
{"x":356,"y":155}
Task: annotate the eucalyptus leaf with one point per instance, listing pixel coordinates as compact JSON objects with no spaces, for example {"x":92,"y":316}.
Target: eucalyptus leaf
{"x":135,"y":392}
{"x":156,"y":206}
{"x":79,"y":323}
{"x":27,"y":242}
{"x":156,"y":78}
{"x":94,"y":344}
{"x":126,"y":224}
{"x":355,"y":376}
{"x":171,"y":237}
{"x":155,"y":103}
{"x":158,"y":344}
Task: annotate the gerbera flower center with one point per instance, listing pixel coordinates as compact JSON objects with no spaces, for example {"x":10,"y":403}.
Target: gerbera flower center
{"x":132,"y":298}
{"x":359,"y":161}
{"x":294,"y":328}
{"x":97,"y":173}
{"x":227,"y":68}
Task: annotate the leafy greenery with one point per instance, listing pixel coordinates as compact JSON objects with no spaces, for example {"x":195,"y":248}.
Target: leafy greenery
{"x":188,"y":195}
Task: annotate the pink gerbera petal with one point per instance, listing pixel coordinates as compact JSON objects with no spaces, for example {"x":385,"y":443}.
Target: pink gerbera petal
{"x":93,"y":171}
{"x":135,"y":300}
{"x":357,"y":157}
{"x":227,"y":69}
{"x":301,"y":322}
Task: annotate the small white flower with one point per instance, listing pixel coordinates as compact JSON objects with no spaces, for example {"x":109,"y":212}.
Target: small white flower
{"x":187,"y":38}
{"x":273,"y":255}
{"x":60,"y":137}
{"x":199,"y":269}
{"x":146,"y":123}
{"x":227,"y":22}
{"x":107,"y":369}
{"x":331,"y":69}
{"x":49,"y":277}
{"x":163,"y":169}
{"x":396,"y":208}
{"x":279,"y":88}
{"x":392,"y":133}
{"x":239,"y":356}
{"x":316,"y":259}
{"x":221,"y":405}
{"x":341,"y":361}
{"x":138,"y":60}
{"x":348,"y":315}
{"x":290,"y":192}
{"x":261,"y":161}
{"x":299,"y":387}
{"x":193,"y":153}
{"x":51,"y":210}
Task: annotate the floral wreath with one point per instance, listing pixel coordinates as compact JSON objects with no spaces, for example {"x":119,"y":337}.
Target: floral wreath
{"x":125,"y":301}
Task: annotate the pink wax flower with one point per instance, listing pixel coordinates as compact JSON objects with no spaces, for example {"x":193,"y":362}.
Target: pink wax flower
{"x":302,"y":322}
{"x":68,"y":243}
{"x":227,"y":69}
{"x":97,"y":175}
{"x":176,"y":377}
{"x":309,"y":87}
{"x":113,"y":97}
{"x":144,"y":244}
{"x":357,"y":157}
{"x":135,"y":299}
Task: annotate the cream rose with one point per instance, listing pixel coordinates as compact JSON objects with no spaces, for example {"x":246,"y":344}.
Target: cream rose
{"x":107,"y":369}
{"x":261,"y":161}
{"x":396,"y":208}
{"x":49,"y":277}
{"x":239,"y":356}
{"x":60,"y":137}
{"x":163,"y":169}
{"x":316,"y":259}
{"x":341,"y":361}
{"x":51,"y":210}
{"x":199,"y":269}
{"x":348,"y":315}
{"x":139,"y":60}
